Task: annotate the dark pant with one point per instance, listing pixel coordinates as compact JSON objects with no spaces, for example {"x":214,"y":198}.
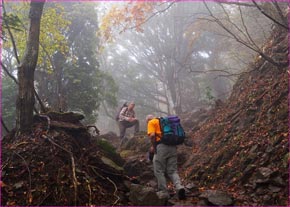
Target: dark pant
{"x":123,"y":125}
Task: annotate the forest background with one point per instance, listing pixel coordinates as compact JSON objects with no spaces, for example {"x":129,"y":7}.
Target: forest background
{"x":167,"y":57}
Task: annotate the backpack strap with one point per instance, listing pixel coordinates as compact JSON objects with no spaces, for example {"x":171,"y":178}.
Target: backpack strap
{"x":161,"y":130}
{"x":124,"y":111}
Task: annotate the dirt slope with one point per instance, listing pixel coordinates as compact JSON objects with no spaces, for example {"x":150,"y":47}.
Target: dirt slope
{"x":59,"y":164}
{"x":243,"y":146}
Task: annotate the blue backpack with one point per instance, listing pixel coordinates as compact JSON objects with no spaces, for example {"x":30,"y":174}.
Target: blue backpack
{"x":172,"y":132}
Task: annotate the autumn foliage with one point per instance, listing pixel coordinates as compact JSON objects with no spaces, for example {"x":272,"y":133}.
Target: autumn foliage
{"x":121,"y":18}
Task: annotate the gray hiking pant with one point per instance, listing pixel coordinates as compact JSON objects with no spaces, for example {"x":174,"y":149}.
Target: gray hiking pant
{"x":165,"y":161}
{"x":123,"y":125}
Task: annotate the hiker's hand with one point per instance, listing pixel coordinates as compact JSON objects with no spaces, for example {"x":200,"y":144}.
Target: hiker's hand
{"x":152,"y":150}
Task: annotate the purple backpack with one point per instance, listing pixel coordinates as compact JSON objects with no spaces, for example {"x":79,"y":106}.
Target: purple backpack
{"x":172,"y":132}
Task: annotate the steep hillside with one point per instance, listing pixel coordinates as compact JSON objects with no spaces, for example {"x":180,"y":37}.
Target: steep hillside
{"x":59,"y":163}
{"x":243,"y":147}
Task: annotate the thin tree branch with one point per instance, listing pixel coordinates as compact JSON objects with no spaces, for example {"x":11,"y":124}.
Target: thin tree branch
{"x":116,"y":190}
{"x":237,"y":57}
{"x":10,"y":34}
{"x":267,"y":15}
{"x":280,"y":12}
{"x":18,"y":61}
{"x":16,"y":81}
{"x":238,"y":4}
{"x":48,"y":122}
{"x":206,"y":71}
{"x":90,"y":192}
{"x":8,"y":73}
{"x":4,"y":125}
{"x":235,"y":26}
{"x":156,"y":110}
{"x":246,"y":29}
{"x":35,"y":93}
{"x":42,"y":107}
{"x":216,"y":70}
{"x":258,"y":50}
{"x":228,"y":30}
{"x":154,"y":14}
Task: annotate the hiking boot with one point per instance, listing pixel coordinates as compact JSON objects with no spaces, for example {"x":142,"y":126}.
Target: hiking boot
{"x":162,"y":195}
{"x":123,"y":141}
{"x":181,"y":194}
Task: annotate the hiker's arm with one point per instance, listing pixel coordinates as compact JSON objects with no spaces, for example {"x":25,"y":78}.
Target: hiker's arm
{"x":152,"y":140}
{"x":133,"y":118}
{"x":151,"y":132}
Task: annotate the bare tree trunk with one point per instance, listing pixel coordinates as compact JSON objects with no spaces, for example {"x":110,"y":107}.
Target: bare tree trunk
{"x":25,"y":99}
{"x":178,"y":102}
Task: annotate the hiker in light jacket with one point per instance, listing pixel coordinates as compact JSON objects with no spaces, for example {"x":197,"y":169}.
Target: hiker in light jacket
{"x":127,"y":119}
{"x":164,"y":160}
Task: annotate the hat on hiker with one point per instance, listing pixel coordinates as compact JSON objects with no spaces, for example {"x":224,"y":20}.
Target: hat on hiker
{"x":149,"y":117}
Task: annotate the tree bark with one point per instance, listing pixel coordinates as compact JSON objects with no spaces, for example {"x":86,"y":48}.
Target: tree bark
{"x":25,"y":99}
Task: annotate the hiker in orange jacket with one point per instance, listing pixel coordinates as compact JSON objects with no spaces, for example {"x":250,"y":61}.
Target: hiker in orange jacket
{"x":164,"y":160}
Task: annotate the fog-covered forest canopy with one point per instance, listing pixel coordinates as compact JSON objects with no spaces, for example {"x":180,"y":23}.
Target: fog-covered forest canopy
{"x":167,"y":57}
{"x":183,"y":56}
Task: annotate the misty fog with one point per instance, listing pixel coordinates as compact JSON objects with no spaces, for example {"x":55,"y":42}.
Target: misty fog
{"x":167,"y":57}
